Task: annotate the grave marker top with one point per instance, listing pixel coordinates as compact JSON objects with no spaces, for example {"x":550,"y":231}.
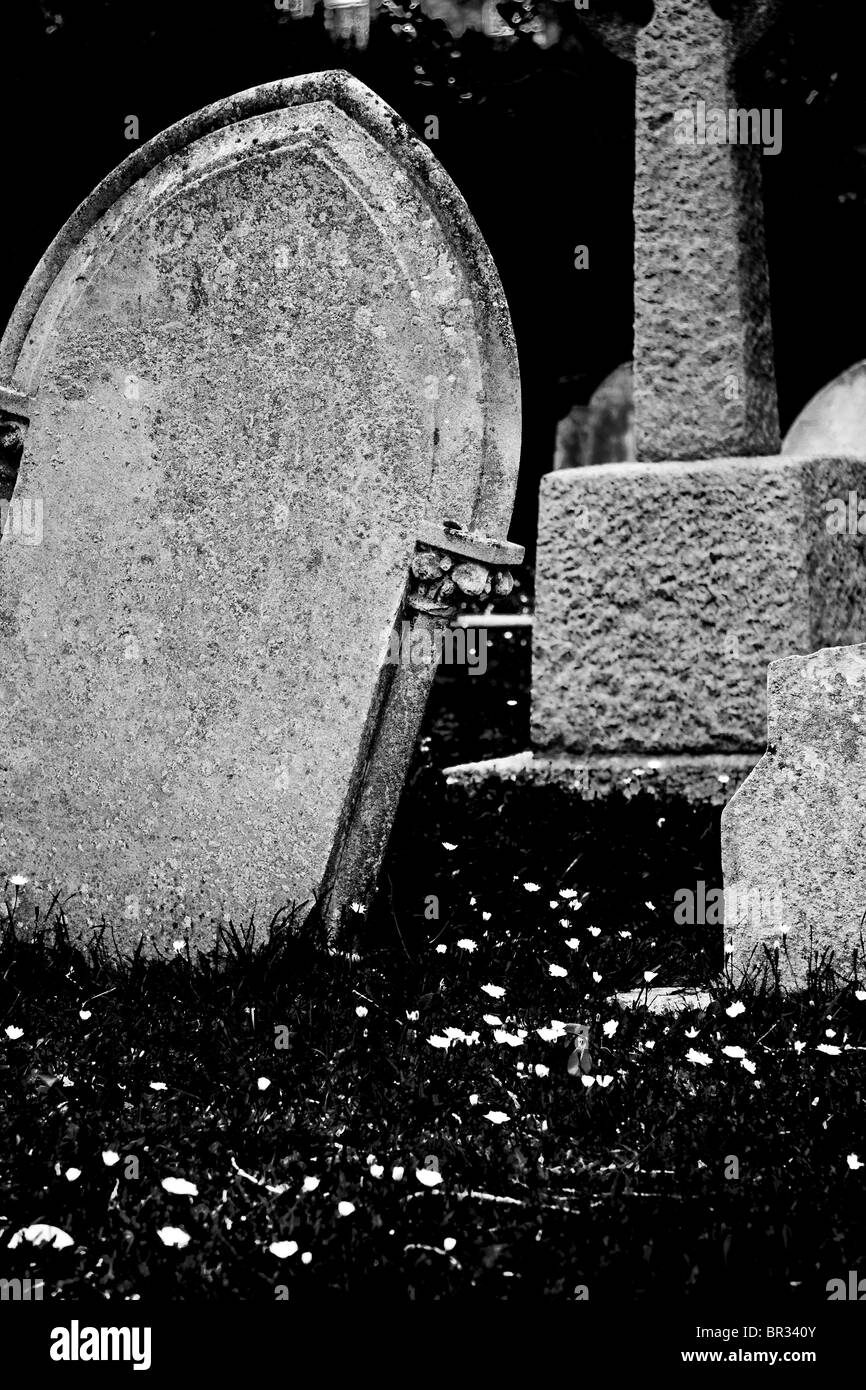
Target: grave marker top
{"x":704,"y":377}
{"x":261,"y":358}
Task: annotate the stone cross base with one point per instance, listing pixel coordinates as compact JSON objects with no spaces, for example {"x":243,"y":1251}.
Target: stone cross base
{"x":664,"y":592}
{"x":794,"y":836}
{"x":711,"y":779}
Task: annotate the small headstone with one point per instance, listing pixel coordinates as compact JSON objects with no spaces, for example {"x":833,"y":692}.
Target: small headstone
{"x":834,"y":421}
{"x":264,"y":362}
{"x":794,"y":835}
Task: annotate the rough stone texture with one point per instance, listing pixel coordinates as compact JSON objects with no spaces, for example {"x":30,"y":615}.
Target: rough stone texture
{"x":834,"y":421}
{"x":702,"y":321}
{"x":267,"y":348}
{"x":794,"y":836}
{"x":662,"y":593}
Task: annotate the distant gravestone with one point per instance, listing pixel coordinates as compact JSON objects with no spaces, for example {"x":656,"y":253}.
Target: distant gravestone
{"x":794,"y":834}
{"x":834,"y":421}
{"x":603,"y":430}
{"x":265,"y":364}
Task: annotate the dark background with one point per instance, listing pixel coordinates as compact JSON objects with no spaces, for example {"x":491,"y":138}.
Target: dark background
{"x":539,"y":140}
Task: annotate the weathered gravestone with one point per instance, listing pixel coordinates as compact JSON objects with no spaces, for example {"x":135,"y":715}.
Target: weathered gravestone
{"x":265,"y":364}
{"x":794,"y":835}
{"x":834,"y":421}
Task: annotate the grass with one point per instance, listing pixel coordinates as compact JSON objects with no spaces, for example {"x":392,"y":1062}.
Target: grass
{"x":481,"y":1169}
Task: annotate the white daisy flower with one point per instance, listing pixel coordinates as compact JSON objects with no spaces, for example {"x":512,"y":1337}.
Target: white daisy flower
{"x":41,"y":1234}
{"x":556,"y":1030}
{"x":427,"y":1177}
{"x":180,"y":1187}
{"x":173,"y":1236}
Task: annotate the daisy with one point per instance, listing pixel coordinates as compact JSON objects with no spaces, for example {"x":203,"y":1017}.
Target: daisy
{"x":173,"y":1236}
{"x":180,"y":1187}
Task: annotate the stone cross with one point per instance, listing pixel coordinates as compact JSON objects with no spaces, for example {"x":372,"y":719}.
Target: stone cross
{"x":273,"y":410}
{"x":704,"y":381}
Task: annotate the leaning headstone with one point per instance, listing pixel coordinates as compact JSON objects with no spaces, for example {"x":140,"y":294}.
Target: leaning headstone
{"x":273,"y":411}
{"x":794,"y":835}
{"x":834,"y":421}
